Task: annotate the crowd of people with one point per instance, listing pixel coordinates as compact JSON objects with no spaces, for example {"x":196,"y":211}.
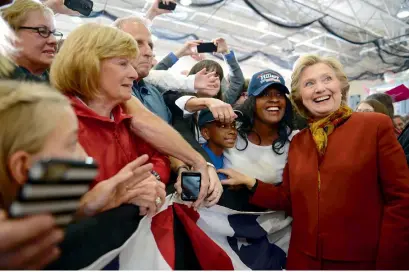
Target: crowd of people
{"x":336,"y":176}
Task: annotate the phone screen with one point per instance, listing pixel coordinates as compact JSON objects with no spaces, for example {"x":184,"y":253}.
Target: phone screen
{"x":206,"y":48}
{"x":170,"y":6}
{"x":190,"y":185}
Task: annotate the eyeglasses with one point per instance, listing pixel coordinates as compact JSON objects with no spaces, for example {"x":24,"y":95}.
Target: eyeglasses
{"x":44,"y":31}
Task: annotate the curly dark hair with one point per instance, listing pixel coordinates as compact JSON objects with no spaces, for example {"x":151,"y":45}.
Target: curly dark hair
{"x":285,"y":126}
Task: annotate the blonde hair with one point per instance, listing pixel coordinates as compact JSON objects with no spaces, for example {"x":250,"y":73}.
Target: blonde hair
{"x":16,"y":14}
{"x":7,"y":49}
{"x":76,"y":68}
{"x":309,"y":60}
{"x":28,"y":114}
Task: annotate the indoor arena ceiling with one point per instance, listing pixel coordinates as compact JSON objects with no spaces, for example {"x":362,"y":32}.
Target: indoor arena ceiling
{"x":366,"y":35}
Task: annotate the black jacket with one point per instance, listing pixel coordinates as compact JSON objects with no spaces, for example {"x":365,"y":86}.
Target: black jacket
{"x":185,"y":126}
{"x":404,"y":142}
{"x":22,"y":74}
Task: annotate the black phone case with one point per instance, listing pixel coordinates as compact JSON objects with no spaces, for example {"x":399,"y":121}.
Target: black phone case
{"x":171,"y":6}
{"x":196,"y":174}
{"x":62,"y":172}
{"x":58,"y":193}
{"x":206,"y":48}
{"x":82,"y":6}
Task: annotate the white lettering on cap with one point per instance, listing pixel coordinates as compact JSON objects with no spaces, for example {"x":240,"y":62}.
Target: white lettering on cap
{"x":269,"y":78}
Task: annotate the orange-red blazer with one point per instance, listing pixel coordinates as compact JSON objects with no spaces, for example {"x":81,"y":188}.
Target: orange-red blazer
{"x":360,"y":209}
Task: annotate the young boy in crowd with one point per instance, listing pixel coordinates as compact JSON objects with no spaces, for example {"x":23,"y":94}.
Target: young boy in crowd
{"x":218,"y":136}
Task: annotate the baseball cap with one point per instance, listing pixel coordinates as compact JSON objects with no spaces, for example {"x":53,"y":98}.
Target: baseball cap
{"x":264,"y":79}
{"x":206,"y":116}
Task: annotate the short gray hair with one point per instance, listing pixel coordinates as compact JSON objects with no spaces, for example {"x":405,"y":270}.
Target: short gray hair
{"x":130,"y":19}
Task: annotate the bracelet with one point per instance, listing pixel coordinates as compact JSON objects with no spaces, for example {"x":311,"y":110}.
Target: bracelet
{"x":156,"y":175}
{"x":182,"y":166}
{"x":210,"y":164}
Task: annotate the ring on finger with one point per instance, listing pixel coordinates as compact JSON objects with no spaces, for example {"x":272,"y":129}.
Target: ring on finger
{"x":158,"y":201}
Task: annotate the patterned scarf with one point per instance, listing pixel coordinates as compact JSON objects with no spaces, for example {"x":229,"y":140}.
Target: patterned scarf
{"x":322,"y":128}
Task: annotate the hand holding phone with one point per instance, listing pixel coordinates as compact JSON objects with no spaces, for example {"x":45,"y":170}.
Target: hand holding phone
{"x":191,"y":182}
{"x":207,"y":47}
{"x":169,"y":6}
{"x":82,"y":6}
{"x":222,"y":46}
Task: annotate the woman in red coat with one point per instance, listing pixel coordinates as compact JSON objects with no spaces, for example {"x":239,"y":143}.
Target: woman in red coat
{"x":346,"y":182}
{"x":94,"y":70}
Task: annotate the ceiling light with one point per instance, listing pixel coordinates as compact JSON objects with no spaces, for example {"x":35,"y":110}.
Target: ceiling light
{"x":404,"y":11}
{"x":262,"y":25}
{"x":185,"y":2}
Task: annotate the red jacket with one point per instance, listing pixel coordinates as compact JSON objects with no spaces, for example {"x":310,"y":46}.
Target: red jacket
{"x":360,"y":211}
{"x":112,"y":143}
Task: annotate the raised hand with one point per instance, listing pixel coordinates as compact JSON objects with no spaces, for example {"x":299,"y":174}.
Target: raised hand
{"x":205,"y":80}
{"x":221,"y":111}
{"x":188,"y":49}
{"x":221,"y":45}
{"x":154,"y":10}
{"x":198,"y":57}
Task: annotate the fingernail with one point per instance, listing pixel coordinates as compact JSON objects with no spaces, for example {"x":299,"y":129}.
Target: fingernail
{"x":58,"y":235}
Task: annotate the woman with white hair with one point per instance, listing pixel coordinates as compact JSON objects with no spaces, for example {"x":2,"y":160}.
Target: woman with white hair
{"x":346,"y":182}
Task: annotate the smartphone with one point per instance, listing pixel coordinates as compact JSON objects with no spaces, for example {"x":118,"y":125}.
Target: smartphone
{"x":82,"y":6}
{"x":191,"y":182}
{"x":6,"y":3}
{"x":206,"y":48}
{"x":170,"y":6}
{"x":54,"y":186}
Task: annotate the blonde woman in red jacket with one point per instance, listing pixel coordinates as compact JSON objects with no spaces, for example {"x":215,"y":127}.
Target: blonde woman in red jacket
{"x":346,"y":182}
{"x":93,"y":69}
